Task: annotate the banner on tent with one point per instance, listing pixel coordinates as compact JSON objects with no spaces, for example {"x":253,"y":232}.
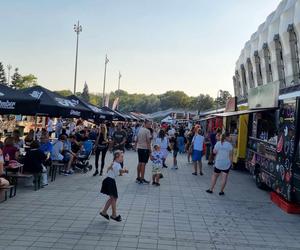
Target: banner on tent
{"x":7,"y":104}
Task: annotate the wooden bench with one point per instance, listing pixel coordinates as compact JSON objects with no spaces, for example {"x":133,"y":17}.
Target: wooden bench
{"x":11,"y":189}
{"x":14,"y":177}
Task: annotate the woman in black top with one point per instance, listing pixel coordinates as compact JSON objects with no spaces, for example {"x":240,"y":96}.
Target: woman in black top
{"x":34,"y":159}
{"x":101,"y":146}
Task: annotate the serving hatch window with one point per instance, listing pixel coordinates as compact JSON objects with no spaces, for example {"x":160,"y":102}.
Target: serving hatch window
{"x":264,"y":126}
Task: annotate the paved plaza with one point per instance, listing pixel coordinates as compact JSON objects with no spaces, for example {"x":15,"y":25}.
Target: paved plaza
{"x":177,"y":215}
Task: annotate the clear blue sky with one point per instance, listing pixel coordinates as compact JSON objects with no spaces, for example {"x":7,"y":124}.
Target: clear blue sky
{"x":158,"y":45}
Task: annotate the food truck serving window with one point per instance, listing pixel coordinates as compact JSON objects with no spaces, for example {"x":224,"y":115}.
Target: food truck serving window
{"x":267,"y":129}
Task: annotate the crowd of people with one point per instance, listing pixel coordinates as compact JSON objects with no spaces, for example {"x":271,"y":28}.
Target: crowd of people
{"x":69,"y":143}
{"x":155,"y":142}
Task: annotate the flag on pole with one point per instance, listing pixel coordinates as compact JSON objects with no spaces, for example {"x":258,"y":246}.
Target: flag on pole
{"x":115,"y":104}
{"x":120,"y":75}
{"x":106,"y":100}
{"x":106,"y":60}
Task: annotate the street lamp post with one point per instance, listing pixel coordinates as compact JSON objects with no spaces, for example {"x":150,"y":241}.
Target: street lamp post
{"x":77,"y":29}
{"x":104,"y":80}
{"x":8,"y":73}
{"x":119,"y":82}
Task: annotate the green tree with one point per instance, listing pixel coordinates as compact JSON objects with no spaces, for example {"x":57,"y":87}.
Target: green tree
{"x":174,"y":99}
{"x":16,"y":79}
{"x":2,"y":74}
{"x":202,"y":102}
{"x":65,"y":92}
{"x":222,"y":98}
{"x":85,"y":93}
{"x":28,"y":81}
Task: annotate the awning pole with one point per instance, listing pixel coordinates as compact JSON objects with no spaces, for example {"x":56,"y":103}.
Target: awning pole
{"x":35,"y":125}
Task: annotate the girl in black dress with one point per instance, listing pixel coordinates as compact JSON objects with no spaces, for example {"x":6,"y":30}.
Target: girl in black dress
{"x":109,"y":186}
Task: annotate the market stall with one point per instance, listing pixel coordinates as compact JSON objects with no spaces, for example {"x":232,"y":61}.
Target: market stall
{"x":96,"y":113}
{"x":55,"y":105}
{"x":273,"y":145}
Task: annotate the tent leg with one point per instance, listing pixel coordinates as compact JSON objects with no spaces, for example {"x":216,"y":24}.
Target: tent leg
{"x":35,"y":126}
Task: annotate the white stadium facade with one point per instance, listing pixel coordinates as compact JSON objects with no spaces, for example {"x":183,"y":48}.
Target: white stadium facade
{"x":272,"y":53}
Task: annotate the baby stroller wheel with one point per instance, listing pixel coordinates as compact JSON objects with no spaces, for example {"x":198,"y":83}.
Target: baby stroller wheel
{"x":90,"y":167}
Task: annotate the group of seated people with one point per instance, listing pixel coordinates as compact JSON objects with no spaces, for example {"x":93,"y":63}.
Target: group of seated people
{"x":38,"y":151}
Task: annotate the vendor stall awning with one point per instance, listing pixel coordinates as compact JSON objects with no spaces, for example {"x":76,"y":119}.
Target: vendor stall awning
{"x":242,"y":112}
{"x":97,"y":113}
{"x":16,"y":102}
{"x":53,"y":104}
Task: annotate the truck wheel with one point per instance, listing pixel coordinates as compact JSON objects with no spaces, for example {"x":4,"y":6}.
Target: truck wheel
{"x":259,"y":182}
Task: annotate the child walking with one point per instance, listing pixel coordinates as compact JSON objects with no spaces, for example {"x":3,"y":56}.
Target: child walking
{"x":109,"y":186}
{"x":157,"y":158}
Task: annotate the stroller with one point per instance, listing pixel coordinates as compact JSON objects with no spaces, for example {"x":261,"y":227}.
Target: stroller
{"x":82,"y":163}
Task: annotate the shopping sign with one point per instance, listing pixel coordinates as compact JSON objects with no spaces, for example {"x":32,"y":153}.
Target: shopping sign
{"x":265,"y":96}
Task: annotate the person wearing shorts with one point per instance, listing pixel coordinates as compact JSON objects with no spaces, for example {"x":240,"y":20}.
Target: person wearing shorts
{"x":223,"y":150}
{"x":197,"y":146}
{"x":143,"y":146}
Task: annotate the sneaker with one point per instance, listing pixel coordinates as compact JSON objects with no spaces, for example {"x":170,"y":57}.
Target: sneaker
{"x":96,"y":172}
{"x":153,"y":183}
{"x":165,"y":166}
{"x":144,"y":181}
{"x":194,"y":173}
{"x":66,"y":174}
{"x":175,"y":167}
{"x":70,"y":171}
{"x":157,"y":184}
{"x":209,"y":191}
{"x":137,"y":180}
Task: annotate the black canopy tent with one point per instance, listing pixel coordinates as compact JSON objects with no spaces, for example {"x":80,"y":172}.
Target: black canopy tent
{"x":15,"y":102}
{"x":97,"y":114}
{"x":53,"y":104}
{"x":116,"y":115}
{"x":127,"y":116}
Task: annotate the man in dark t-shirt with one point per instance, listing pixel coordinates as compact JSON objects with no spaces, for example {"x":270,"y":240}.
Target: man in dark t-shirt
{"x":119,"y":139}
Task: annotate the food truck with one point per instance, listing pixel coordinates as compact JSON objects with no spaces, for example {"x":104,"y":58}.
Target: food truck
{"x":235,"y":122}
{"x":273,"y":143}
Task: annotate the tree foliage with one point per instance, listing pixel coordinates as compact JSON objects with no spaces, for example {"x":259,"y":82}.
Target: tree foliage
{"x":16,"y":79}
{"x":27,"y":81}
{"x":153,"y":103}
{"x":2,"y":74}
{"x":222,"y":98}
{"x":65,"y":92}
